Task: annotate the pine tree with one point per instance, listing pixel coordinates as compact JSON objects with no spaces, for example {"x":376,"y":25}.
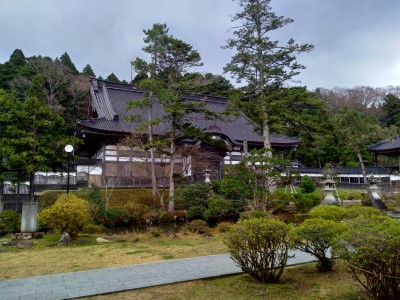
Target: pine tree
{"x":66,"y":61}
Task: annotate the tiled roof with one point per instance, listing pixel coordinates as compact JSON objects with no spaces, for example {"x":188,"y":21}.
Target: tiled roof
{"x":109,"y":100}
{"x":386,"y":147}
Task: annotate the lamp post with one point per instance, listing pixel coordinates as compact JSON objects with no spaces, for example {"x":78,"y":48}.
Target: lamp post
{"x":68,"y":149}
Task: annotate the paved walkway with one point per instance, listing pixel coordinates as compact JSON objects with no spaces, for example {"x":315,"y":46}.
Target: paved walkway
{"x":116,"y":279}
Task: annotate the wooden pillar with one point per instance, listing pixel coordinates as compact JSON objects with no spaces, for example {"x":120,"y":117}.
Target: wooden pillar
{"x":245,"y":149}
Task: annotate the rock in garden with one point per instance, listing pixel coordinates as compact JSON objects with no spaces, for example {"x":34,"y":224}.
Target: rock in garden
{"x":65,"y":239}
{"x":101,"y":240}
{"x":25,"y":244}
{"x":12,"y":243}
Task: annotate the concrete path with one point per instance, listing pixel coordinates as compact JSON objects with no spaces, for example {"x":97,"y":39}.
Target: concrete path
{"x":109,"y":280}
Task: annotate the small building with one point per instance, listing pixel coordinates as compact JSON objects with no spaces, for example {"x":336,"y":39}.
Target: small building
{"x":230,"y":138}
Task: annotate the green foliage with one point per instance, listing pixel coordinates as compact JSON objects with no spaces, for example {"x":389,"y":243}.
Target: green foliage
{"x":391,"y":108}
{"x":112,"y":77}
{"x":259,"y":247}
{"x":216,"y":206}
{"x":224,"y":226}
{"x":355,"y":211}
{"x":10,"y":221}
{"x":304,"y":202}
{"x":195,"y":212}
{"x":316,"y":236}
{"x":66,"y":61}
{"x":32,"y":137}
{"x":198,"y":226}
{"x":97,"y":204}
{"x":137,"y":212}
{"x":158,"y":216}
{"x":233,"y":188}
{"x":68,"y":214}
{"x":327,"y":212}
{"x":94,"y":229}
{"x":371,"y":247}
{"x":252,"y":214}
{"x":193,"y":194}
{"x":88,"y":71}
{"x":307,"y":185}
{"x":263,"y":63}
{"x":114,"y":217}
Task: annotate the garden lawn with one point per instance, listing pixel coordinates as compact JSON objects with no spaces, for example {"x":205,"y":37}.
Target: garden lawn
{"x":85,"y":253}
{"x":297,"y":283}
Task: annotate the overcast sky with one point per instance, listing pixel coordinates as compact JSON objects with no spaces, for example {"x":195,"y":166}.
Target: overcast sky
{"x":357,"y":42}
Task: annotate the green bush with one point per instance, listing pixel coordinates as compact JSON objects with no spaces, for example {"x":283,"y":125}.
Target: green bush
{"x":193,"y":194}
{"x":316,"y":236}
{"x":224,"y":226}
{"x":157,"y":217}
{"x":371,"y":248}
{"x":252,"y":214}
{"x":216,"y":206}
{"x":307,"y":185}
{"x":97,"y":204}
{"x":355,"y":211}
{"x":137,"y":212}
{"x":115,"y":217}
{"x":194,"y":213}
{"x":233,"y":189}
{"x":260,"y":247}
{"x":68,"y":214}
{"x":10,"y":221}
{"x":305,"y":202}
{"x":327,"y":212}
{"x":93,"y":229}
{"x":198,"y":226}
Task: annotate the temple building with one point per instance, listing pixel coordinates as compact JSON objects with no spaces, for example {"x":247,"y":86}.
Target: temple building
{"x":113,"y":159}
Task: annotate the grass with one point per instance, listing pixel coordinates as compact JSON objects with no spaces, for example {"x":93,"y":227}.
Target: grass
{"x":85,"y":253}
{"x":297,"y":283}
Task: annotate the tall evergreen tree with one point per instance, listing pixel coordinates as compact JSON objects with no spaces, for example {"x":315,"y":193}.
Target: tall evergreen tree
{"x":113,"y":77}
{"x":88,"y":71}
{"x":263,"y":63}
{"x":32,"y":137}
{"x":17,"y":58}
{"x":171,"y":59}
{"x":66,"y":61}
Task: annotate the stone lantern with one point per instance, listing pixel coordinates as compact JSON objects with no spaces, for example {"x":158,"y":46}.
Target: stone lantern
{"x":373,"y":186}
{"x":329,"y":188}
{"x":207,"y":174}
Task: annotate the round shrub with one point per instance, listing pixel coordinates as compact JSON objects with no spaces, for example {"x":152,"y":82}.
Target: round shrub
{"x":316,"y":236}
{"x":68,"y":214}
{"x":224,"y":226}
{"x":199,"y":226}
{"x":307,"y":185}
{"x":137,"y":212}
{"x":371,"y":248}
{"x":327,"y":212}
{"x":10,"y":221}
{"x":260,"y":247}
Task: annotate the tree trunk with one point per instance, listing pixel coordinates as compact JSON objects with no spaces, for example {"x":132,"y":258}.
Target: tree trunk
{"x":266,"y":133}
{"x":171,"y":204}
{"x":32,"y":186}
{"x":364,"y":173}
{"x":152,"y":158}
